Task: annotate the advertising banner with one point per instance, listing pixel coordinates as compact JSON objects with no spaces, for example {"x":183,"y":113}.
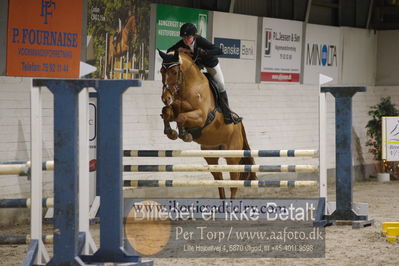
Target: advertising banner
{"x":118,"y":38}
{"x":390,"y":138}
{"x":213,"y":228}
{"x":168,"y":22}
{"x":236,"y":48}
{"x":281,"y":50}
{"x":44,"y":38}
{"x":323,"y":53}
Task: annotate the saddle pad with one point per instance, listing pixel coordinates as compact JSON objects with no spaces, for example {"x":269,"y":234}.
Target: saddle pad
{"x":214,"y":88}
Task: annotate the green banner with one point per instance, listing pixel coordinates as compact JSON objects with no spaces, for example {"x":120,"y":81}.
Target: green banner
{"x":170,"y":18}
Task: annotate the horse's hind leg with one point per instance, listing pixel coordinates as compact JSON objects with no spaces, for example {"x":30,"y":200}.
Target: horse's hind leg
{"x":216,"y":175}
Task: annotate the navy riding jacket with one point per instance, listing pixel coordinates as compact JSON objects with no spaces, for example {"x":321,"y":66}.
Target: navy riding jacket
{"x":209,"y":59}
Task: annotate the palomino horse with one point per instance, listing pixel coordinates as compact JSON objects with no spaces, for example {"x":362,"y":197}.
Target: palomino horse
{"x":190,"y":102}
{"x":118,"y":44}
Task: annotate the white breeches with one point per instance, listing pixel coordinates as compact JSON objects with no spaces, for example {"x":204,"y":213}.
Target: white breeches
{"x":217,"y":74}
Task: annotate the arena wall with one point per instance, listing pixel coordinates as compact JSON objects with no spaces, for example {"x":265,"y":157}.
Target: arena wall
{"x":388,"y":58}
{"x":275,"y":117}
{"x":359,"y":58}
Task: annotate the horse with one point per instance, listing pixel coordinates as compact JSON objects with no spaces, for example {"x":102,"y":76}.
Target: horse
{"x":118,"y":43}
{"x":190,"y":103}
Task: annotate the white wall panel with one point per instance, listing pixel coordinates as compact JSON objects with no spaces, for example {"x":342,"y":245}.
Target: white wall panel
{"x":237,"y":27}
{"x":359,"y":56}
{"x":388,"y":57}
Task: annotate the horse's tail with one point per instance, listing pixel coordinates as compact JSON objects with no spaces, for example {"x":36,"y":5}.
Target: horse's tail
{"x":246,"y":160}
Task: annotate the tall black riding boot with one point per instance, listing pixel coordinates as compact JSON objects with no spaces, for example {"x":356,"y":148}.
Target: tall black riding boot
{"x":229,"y":116}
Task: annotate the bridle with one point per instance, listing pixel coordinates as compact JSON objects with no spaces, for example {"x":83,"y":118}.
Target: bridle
{"x":173,"y":89}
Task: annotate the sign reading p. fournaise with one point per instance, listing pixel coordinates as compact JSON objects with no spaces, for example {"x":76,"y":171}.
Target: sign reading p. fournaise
{"x":44,"y":38}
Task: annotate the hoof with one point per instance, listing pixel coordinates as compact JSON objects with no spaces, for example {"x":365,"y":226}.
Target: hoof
{"x":187,"y":138}
{"x":172,"y":134}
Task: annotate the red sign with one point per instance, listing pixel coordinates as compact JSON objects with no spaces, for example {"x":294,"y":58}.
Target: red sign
{"x":279,"y":77}
{"x":44,"y":38}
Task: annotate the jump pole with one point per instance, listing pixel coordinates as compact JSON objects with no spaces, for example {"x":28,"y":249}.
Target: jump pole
{"x":220,"y":168}
{"x":25,"y":203}
{"x":219,"y":183}
{"x":22,"y":168}
{"x":220,"y":153}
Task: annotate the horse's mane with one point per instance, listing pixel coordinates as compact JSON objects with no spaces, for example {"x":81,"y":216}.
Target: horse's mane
{"x":183,"y":59}
{"x":188,"y":63}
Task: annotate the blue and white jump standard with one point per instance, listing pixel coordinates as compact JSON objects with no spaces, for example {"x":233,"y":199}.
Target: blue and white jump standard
{"x":345,"y":207}
{"x":69,"y":240}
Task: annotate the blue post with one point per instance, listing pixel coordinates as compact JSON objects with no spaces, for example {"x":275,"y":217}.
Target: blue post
{"x":66,"y":208}
{"x":343,"y":138}
{"x":109,"y":171}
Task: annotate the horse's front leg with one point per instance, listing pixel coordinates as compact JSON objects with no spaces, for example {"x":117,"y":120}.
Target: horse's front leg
{"x":189,"y":120}
{"x":168,"y":116}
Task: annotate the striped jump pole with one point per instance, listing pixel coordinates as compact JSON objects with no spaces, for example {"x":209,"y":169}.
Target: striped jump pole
{"x":24,"y":203}
{"x":23,"y":239}
{"x":220,"y":168}
{"x":219,"y":183}
{"x":22,"y":168}
{"x":221,"y":153}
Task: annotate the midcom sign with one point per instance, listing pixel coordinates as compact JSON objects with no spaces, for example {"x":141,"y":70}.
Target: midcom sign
{"x":235,"y":48}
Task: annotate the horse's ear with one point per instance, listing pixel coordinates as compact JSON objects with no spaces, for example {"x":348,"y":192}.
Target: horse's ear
{"x":162,"y":54}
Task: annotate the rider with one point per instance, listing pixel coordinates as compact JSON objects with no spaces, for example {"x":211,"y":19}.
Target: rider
{"x":205,"y":53}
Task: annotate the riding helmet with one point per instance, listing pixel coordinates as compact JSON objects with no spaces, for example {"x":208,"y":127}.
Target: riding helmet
{"x":187,"y":29}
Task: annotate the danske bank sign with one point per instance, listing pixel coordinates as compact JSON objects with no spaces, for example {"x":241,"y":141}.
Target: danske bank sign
{"x":234,"y":48}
